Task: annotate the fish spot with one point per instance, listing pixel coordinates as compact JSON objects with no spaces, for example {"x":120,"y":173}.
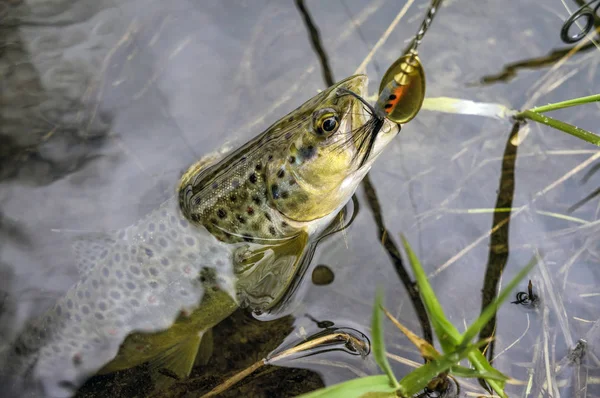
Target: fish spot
{"x":235,"y":183}
{"x":99,"y":316}
{"x":307,"y":152}
{"x":250,"y":211}
{"x":58,"y":310}
{"x":130,"y":285}
{"x":285,"y":194}
{"x":183,"y":223}
{"x":189,"y":241}
{"x":95,"y":284}
{"x":77,"y":359}
{"x":288,"y":135}
{"x":80,"y":294}
{"x":248,"y":239}
{"x":117,"y":257}
{"x":151,"y":227}
{"x":134,"y":270}
{"x":164,"y":261}
{"x":256,"y":199}
{"x":233,"y":198}
{"x":70,"y":304}
{"x":173,"y":219}
{"x":392,"y":97}
{"x":149,"y":252}
{"x":85,"y":309}
{"x":241,"y":219}
{"x":214,"y":221}
{"x":105,"y":272}
{"x":163,"y":242}
{"x":162,"y":227}
{"x":284,"y":224}
{"x":115,"y":295}
{"x":275,"y":191}
{"x":272,"y":230}
{"x":119,"y":274}
{"x":270,"y":157}
{"x":134,"y":303}
{"x":153,"y":284}
{"x":153,"y":271}
{"x":221,"y":213}
{"x":388,"y":106}
{"x":102,"y":306}
{"x":292,"y":182}
{"x":268,"y":216}
{"x":292,"y":159}
{"x":252,"y":178}
{"x":258,"y":167}
{"x":281,"y":173}
{"x":215,"y":185}
{"x":195,"y":217}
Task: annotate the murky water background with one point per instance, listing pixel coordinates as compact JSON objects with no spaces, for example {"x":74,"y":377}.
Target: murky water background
{"x":105,"y":103}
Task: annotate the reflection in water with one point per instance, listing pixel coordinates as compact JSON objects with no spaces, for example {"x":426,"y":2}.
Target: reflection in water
{"x":592,"y":17}
{"x":499,"y":239}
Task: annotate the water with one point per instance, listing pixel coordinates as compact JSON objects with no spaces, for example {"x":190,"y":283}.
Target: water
{"x":184,"y":78}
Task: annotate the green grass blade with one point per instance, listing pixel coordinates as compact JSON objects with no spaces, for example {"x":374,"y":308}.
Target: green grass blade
{"x":490,"y":310}
{"x":356,"y":388}
{"x":444,"y":329}
{"x":378,"y":341}
{"x":566,"y":104}
{"x":461,"y":371}
{"x":418,"y":379}
{"x":446,"y":332}
{"x":562,"y":126}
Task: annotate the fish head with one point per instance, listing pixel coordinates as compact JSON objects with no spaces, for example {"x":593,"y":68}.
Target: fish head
{"x":333,"y":140}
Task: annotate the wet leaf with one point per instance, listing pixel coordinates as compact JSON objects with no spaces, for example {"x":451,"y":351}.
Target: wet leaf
{"x":369,"y":386}
{"x":461,"y":371}
{"x":378,"y":342}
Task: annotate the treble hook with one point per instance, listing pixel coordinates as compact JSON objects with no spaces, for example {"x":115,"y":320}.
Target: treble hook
{"x":585,"y":11}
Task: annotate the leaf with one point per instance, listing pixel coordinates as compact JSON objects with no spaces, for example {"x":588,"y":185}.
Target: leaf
{"x":362,"y":387}
{"x":418,"y":379}
{"x":462,"y":371}
{"x":378,"y":341}
{"x":444,"y":329}
{"x":447,"y":334}
{"x":427,"y":350}
{"x":492,"y":308}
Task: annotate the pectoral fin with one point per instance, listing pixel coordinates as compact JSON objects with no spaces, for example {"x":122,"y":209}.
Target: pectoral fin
{"x":265,"y":272}
{"x":175,"y":362}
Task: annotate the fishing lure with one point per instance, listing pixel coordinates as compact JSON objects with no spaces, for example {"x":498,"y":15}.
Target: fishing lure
{"x":586,"y":12}
{"x":402,"y":89}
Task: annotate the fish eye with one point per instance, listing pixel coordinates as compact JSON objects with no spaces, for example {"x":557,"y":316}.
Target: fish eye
{"x":326,"y":123}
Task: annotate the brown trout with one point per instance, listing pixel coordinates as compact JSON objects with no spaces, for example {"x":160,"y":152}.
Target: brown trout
{"x":233,"y":236}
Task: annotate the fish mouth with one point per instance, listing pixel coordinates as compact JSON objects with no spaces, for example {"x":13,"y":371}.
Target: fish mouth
{"x":369,"y":122}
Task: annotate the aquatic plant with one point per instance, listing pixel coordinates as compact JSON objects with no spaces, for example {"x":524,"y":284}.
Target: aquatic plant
{"x":455,"y":347}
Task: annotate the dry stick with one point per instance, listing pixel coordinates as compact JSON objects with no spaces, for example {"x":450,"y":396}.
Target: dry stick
{"x":538,"y":194}
{"x":372,"y":199}
{"x":332,"y":338}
